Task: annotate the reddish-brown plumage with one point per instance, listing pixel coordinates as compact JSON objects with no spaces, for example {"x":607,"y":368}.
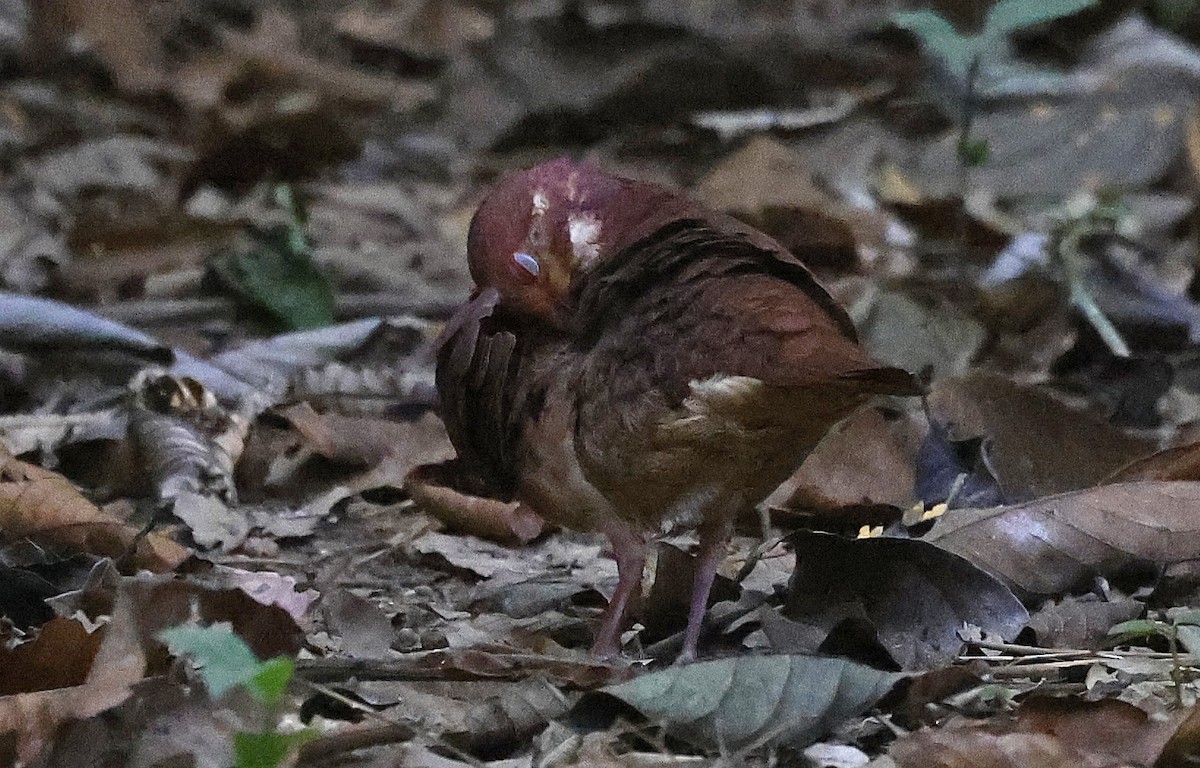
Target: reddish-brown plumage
{"x":631,"y":358}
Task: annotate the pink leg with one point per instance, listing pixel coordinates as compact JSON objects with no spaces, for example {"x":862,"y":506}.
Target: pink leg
{"x":629,"y":549}
{"x":714,"y":541}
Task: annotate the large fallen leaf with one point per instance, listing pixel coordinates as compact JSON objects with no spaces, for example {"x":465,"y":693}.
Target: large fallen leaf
{"x":139,"y":608}
{"x":364,"y":441}
{"x":111,"y":254}
{"x":44,"y":506}
{"x":503,"y":722}
{"x":118,"y":32}
{"x":959,"y":748}
{"x":1181,"y":462}
{"x":735,"y":702}
{"x":1129,"y":136}
{"x":119,"y":662}
{"x":916,"y":595}
{"x":1037,"y":444}
{"x":865,"y":460}
{"x":1049,"y":546}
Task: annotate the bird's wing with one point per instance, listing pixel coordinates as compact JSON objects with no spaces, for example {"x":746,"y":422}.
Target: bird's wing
{"x":714,"y":363}
{"x":476,"y":367}
{"x":694,"y":301}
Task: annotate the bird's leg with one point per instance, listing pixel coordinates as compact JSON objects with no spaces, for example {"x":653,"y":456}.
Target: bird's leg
{"x":714,"y":541}
{"x":629,"y":550}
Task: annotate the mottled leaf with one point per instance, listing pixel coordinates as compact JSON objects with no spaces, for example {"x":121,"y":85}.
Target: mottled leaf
{"x":734,"y":702}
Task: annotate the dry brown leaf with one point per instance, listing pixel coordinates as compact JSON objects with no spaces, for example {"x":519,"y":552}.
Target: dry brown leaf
{"x":364,"y":630}
{"x":139,"y":609}
{"x":929,"y":688}
{"x":896,"y":585}
{"x":1179,"y":463}
{"x":116,"y":30}
{"x":364,"y":441}
{"x":119,"y":663}
{"x":504,"y":522}
{"x":1109,"y":729}
{"x":962,"y":748}
{"x":503,"y":722}
{"x":1037,"y":445}
{"x":384,"y":450}
{"x":44,"y":506}
{"x":112,"y":255}
{"x":918,"y":333}
{"x":1055,"y":544}
{"x":1081,"y":622}
{"x":768,"y":184}
{"x":59,"y":657}
{"x":1046,"y":732}
{"x":432,"y":28}
{"x":274,"y":47}
{"x":864,"y":460}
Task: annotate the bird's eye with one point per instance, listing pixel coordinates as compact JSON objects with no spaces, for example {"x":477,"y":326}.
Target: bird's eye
{"x":529,"y":266}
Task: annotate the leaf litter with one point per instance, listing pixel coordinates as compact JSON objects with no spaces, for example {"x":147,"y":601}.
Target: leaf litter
{"x":161,"y":408}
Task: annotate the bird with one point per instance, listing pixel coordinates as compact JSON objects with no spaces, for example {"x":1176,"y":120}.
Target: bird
{"x":630,"y":361}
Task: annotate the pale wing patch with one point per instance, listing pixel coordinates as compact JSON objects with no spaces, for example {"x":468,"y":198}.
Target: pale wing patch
{"x":584,"y":229}
{"x":721,"y":391}
{"x":716,"y":405}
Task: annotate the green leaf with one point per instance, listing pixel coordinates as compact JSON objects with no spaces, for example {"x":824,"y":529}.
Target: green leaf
{"x":735,"y":702}
{"x":1137,"y":628}
{"x":225,"y":661}
{"x":930,"y":27}
{"x":973,"y":152}
{"x":285,"y":284}
{"x":942,"y":41}
{"x":224,"y":658}
{"x":272,"y":679}
{"x":266,"y":750}
{"x":1010,"y":15}
{"x":278,"y":274}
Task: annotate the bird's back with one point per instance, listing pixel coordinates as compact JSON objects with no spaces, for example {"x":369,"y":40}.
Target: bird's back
{"x":712,"y":364}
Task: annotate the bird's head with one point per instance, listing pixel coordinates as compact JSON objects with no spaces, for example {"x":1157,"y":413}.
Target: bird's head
{"x":538,"y":230}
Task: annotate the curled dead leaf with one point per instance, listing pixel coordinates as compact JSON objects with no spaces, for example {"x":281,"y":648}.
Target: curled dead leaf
{"x":506,"y":522}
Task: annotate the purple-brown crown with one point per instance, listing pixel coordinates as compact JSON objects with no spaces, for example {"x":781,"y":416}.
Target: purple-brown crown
{"x":538,"y":229}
